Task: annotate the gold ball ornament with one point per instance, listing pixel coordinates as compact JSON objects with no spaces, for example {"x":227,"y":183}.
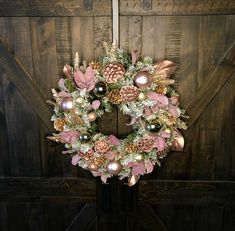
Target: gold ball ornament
{"x":67,"y":104}
{"x":143,"y":79}
{"x":142,"y":96}
{"x":93,"y":167}
{"x":167,"y":130}
{"x":59,"y":124}
{"x":79,"y":100}
{"x":139,"y":157}
{"x":92,"y":116}
{"x":114,"y":167}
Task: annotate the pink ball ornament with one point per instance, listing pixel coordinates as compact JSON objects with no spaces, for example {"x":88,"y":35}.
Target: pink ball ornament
{"x":114,"y":167}
{"x":142,"y":79}
{"x":67,"y":104}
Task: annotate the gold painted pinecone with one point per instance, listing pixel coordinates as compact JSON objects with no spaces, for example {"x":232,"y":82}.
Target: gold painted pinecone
{"x":113,"y":72}
{"x":59,"y":124}
{"x":95,"y":65}
{"x":88,"y":155}
{"x":130,"y":148}
{"x":161,"y":89}
{"x":114,"y":96}
{"x":163,"y":153}
{"x":145,"y":145}
{"x":102,"y":146}
{"x":99,"y":161}
{"x":129,"y":93}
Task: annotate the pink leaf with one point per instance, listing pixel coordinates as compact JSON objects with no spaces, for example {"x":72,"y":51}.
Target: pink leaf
{"x":79,"y":79}
{"x":173,"y":111}
{"x":165,"y":134}
{"x":155,"y":108}
{"x":67,"y":71}
{"x":61,"y":85}
{"x":138,"y":169}
{"x":149,"y":166}
{"x":63,"y":94}
{"x":95,"y":104}
{"x":104,"y":178}
{"x":114,"y":140}
{"x":75,"y":159}
{"x":133,"y":121}
{"x":111,"y":155}
{"x":160,"y":143}
{"x":147,"y":112}
{"x":69,"y":136}
{"x":162,"y":100}
{"x":165,"y":68}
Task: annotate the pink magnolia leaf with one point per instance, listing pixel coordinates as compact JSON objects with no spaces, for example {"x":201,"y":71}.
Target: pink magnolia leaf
{"x":95,"y":104}
{"x":104,"y":178}
{"x":160,"y":143}
{"x":138,"y":169}
{"x":61,"y":84}
{"x":69,"y":136}
{"x":133,"y":121}
{"x":165,"y":68}
{"x":149,"y":166}
{"x":89,"y":78}
{"x":79,"y":79}
{"x":147,"y":112}
{"x":63,"y":94}
{"x":67,"y":70}
{"x":75,"y":159}
{"x":95,"y":173}
{"x":114,"y":140}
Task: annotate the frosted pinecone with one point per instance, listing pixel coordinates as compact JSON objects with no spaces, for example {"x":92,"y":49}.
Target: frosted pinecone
{"x":129,"y":93}
{"x":113,"y":72}
{"x":102,"y":146}
{"x":145,"y":145}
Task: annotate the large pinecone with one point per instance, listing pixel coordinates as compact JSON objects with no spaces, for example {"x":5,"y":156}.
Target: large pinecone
{"x":129,"y":93}
{"x":145,"y":145}
{"x":114,"y":96}
{"x":102,"y":146}
{"x":113,"y":72}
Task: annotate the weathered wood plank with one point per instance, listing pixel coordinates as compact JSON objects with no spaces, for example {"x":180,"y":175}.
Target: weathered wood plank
{"x":55,"y":8}
{"x":23,"y":82}
{"x":187,"y":192}
{"x":215,"y":81}
{"x":3,"y":216}
{"x":176,"y":7}
{"x":47,"y":189}
{"x":44,"y":54}
{"x":21,"y":119}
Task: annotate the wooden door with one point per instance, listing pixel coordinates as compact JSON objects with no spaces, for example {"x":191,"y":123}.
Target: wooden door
{"x":40,"y":190}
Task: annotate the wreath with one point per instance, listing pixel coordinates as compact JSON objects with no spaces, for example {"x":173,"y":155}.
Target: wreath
{"x":140,"y":89}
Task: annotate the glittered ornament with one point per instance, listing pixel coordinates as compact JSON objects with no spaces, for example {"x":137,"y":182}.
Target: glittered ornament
{"x":161,"y":89}
{"x":129,"y":93}
{"x":59,"y":124}
{"x":142,"y":79}
{"x":99,"y":160}
{"x":79,"y":100}
{"x":102,"y":146}
{"x":85,"y":137}
{"x":113,"y":72}
{"x":114,"y":97}
{"x":153,"y":127}
{"x":73,"y":118}
{"x":142,"y":96}
{"x":67,"y":104}
{"x":139,"y":157}
{"x":114,"y":167}
{"x":95,"y":65}
{"x":92,"y":116}
{"x":93,"y":167}
{"x":100,"y":89}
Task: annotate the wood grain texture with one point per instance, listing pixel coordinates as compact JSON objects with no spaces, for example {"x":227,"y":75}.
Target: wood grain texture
{"x":187,"y":192}
{"x":23,"y":81}
{"x":47,"y":189}
{"x":177,"y":7}
{"x":55,"y":8}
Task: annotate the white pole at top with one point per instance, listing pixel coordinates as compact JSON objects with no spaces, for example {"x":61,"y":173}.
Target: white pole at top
{"x":115,"y":11}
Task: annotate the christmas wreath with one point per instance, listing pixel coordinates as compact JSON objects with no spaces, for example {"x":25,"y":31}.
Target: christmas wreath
{"x":142,"y":90}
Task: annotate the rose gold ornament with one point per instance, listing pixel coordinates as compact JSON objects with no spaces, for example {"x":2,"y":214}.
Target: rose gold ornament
{"x":178,"y":142}
{"x":92,"y":116}
{"x":142,"y":79}
{"x":114,"y":167}
{"x":67,"y":104}
{"x":93,"y":167}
